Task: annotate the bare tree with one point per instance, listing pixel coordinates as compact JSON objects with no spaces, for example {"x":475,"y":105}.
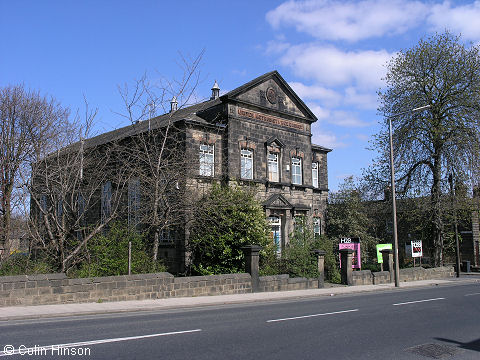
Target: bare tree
{"x":75,"y":193}
{"x":156,"y":151}
{"x":29,"y":125}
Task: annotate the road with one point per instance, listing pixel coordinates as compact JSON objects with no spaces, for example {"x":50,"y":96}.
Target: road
{"x":380,"y":325}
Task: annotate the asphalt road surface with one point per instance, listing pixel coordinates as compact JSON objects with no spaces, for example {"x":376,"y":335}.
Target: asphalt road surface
{"x":434,"y":322}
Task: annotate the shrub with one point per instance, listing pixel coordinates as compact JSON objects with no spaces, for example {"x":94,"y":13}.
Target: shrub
{"x":297,"y":258}
{"x":22,"y":264}
{"x":226,"y":219}
{"x":107,"y":255}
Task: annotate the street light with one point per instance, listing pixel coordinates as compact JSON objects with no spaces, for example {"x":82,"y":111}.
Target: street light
{"x":394,"y":204}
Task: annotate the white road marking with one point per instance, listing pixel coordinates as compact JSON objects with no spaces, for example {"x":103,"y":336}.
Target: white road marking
{"x":25,"y":350}
{"x":313,"y":315}
{"x":472,"y":294}
{"x":418,"y":301}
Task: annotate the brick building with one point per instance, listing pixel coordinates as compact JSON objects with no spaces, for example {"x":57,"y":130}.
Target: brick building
{"x":257,"y":134}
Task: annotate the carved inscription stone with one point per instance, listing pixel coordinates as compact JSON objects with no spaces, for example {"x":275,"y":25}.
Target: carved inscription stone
{"x":270,"y":119}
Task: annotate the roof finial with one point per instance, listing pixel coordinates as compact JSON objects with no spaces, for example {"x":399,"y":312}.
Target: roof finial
{"x":215,"y":91}
{"x":173,"y":104}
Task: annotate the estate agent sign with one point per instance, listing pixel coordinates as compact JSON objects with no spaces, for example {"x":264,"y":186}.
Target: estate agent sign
{"x":380,"y":247}
{"x":417,"y":250}
{"x":354,"y":244}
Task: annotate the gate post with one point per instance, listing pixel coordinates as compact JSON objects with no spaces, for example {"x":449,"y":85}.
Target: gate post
{"x":346,"y":257}
{"x":320,"y":254}
{"x":252,"y":264}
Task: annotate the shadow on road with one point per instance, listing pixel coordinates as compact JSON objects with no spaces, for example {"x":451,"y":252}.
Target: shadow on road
{"x":472,"y":345}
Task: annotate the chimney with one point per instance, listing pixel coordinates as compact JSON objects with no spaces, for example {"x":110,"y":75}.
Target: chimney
{"x":173,"y":104}
{"x":215,"y":91}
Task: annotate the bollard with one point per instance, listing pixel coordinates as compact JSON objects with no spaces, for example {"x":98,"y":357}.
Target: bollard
{"x":252,"y":264}
{"x":320,"y":254}
{"x":387,"y":256}
{"x":346,"y":256}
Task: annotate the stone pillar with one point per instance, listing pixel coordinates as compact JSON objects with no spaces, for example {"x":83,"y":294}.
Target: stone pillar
{"x":346,"y":256}
{"x":320,"y":254}
{"x":252,"y":264}
{"x":387,"y":256}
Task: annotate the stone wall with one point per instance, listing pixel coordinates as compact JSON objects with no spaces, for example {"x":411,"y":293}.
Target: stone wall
{"x":285,"y":283}
{"x":419,"y":273}
{"x":363,"y":277}
{"x":366,"y":277}
{"x":58,"y":289}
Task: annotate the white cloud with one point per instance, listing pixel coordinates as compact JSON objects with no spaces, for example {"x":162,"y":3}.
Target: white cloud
{"x":320,"y":112}
{"x":363,"y":137}
{"x":328,"y":140}
{"x":325,"y":138}
{"x":332,"y":66}
{"x":346,"y":119}
{"x":348,"y":20}
{"x":275,"y":47}
{"x":464,"y":19}
{"x":362,"y":100}
{"x":315,"y":92}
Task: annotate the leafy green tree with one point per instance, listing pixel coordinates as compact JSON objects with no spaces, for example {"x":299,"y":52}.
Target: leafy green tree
{"x":348,"y":216}
{"x":225,"y":220}
{"x":443,"y":73}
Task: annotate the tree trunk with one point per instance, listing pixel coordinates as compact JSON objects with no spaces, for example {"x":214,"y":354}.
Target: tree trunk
{"x":6,"y":220}
{"x":155,"y":245}
{"x":437,"y":213}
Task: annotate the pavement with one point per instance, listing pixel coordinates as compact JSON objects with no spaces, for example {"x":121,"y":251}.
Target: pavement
{"x":63,"y":310}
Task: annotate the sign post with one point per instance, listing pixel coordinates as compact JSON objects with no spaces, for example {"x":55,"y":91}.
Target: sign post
{"x":353,"y":244}
{"x":417,"y":250}
{"x":381,"y":247}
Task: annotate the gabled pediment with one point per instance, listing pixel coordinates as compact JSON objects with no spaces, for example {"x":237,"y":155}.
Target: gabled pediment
{"x":271,"y":91}
{"x":277,"y":201}
{"x":274,"y":142}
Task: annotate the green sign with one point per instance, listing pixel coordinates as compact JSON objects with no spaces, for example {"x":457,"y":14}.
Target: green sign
{"x":379,"y":254}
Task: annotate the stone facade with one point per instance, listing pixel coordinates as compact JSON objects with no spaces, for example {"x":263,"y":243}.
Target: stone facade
{"x":258,"y":134}
{"x":264,"y":117}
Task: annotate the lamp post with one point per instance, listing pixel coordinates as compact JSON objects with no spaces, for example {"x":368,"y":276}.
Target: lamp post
{"x":394,"y":203}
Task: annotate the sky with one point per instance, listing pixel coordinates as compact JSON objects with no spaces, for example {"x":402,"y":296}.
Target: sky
{"x":332,"y":53}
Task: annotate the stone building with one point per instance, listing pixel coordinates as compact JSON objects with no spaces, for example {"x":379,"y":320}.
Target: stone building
{"x":266,"y":140}
{"x":257,"y":134}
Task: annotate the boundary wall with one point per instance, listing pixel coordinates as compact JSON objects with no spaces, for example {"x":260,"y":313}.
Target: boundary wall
{"x":366,"y":277}
{"x":58,"y":289}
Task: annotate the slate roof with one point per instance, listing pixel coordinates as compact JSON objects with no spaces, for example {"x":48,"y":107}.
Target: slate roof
{"x":190,"y":113}
{"x":186,"y":113}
